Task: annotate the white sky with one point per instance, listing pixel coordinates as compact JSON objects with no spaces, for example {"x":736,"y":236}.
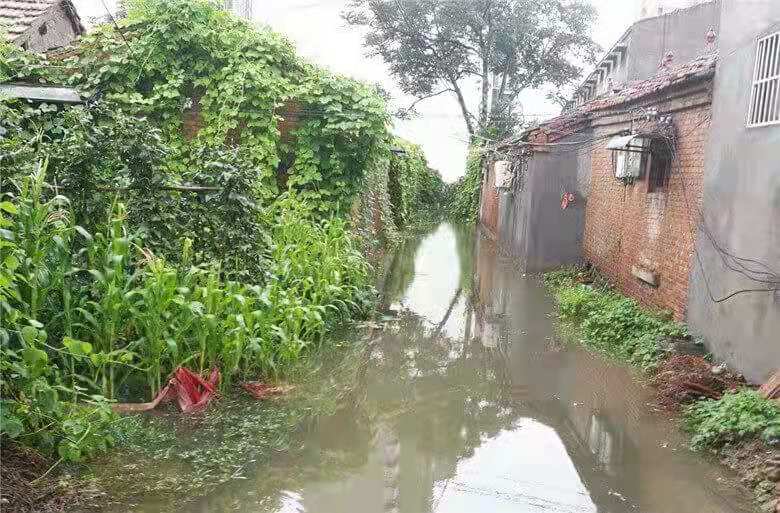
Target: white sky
{"x":316,"y":28}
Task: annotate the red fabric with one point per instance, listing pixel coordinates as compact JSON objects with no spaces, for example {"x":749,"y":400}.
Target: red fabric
{"x":262,"y":391}
{"x":192,"y":392}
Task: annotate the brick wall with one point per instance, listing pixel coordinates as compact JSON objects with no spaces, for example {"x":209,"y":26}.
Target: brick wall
{"x":289,"y":114}
{"x":626,"y":227}
{"x":488,"y":211}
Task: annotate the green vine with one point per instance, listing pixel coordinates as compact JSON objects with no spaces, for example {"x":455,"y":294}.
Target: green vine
{"x":182,"y":59}
{"x":464,"y":194}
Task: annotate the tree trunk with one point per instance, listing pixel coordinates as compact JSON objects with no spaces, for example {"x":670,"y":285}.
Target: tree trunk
{"x":463,"y":108}
{"x":484,"y":108}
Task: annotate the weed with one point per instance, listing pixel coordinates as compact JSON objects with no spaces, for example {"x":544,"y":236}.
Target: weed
{"x":734,"y":416}
{"x":609,"y":322}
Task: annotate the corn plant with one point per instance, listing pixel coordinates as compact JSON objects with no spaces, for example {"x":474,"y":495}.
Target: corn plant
{"x":154,"y":312}
{"x":43,"y":230}
{"x":106,"y":316}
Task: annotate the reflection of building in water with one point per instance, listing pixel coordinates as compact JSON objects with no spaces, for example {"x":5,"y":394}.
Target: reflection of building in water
{"x":387,"y":440}
{"x":586,"y":406}
{"x":491,"y":301}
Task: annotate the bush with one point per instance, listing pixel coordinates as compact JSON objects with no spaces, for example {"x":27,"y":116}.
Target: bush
{"x":84,"y":315}
{"x":564,"y":277}
{"x":465,"y":193}
{"x":610,"y":322}
{"x":616,"y":320}
{"x":576,"y":302}
{"x":734,"y":416}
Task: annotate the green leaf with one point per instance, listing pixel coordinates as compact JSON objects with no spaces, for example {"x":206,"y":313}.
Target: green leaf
{"x":36,"y":360}
{"x":29,"y":334}
{"x":11,"y":263}
{"x":10,"y":424}
{"x":9,"y":207}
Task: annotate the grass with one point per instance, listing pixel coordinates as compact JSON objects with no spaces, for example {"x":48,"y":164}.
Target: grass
{"x":733,"y":417}
{"x":610,"y":323}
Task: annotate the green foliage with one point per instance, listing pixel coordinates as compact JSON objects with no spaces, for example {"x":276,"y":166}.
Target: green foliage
{"x":191,"y":60}
{"x":464,"y":195}
{"x":734,"y":416}
{"x":576,"y":302}
{"x":34,"y":283}
{"x":188,"y":57}
{"x":613,"y":320}
{"x":609,"y":322}
{"x":333,"y":147}
{"x":17,"y":65}
{"x":416,"y":191}
{"x":95,"y":314}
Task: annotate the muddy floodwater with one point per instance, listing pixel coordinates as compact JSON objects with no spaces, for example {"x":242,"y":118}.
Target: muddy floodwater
{"x":467,"y":403}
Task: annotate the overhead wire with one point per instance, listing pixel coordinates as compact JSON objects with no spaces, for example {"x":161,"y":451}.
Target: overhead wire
{"x":737,"y":264}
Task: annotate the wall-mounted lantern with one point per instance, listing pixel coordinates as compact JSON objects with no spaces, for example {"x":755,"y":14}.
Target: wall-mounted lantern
{"x":627,"y":152}
{"x":503,"y":173}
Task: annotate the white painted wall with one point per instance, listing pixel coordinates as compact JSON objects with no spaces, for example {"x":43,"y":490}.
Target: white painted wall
{"x":243,"y":8}
{"x":650,"y":8}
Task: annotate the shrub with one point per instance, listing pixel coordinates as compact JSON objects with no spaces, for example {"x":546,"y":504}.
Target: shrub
{"x":465,"y":193}
{"x":575,"y":303}
{"x":643,"y":352}
{"x":617,"y":320}
{"x":610,"y":322}
{"x":734,"y":416}
{"x":564,"y":277}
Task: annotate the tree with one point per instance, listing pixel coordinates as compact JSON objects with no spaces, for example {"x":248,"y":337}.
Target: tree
{"x":436,"y":47}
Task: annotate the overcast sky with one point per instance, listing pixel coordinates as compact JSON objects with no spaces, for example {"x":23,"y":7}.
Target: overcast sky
{"x":316,"y":28}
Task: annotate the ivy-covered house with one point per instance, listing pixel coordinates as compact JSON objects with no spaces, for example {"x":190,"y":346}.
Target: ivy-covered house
{"x":40,"y":25}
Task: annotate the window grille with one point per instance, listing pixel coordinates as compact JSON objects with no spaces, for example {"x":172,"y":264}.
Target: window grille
{"x":660,"y":166}
{"x":765,"y":95}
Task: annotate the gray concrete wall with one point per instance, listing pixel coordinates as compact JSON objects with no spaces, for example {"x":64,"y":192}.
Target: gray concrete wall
{"x":681,"y":32}
{"x":554,"y":237}
{"x":58,"y":31}
{"x":532,"y":225}
{"x":741,"y":206}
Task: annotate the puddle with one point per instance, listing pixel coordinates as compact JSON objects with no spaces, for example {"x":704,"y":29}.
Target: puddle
{"x":467,"y":404}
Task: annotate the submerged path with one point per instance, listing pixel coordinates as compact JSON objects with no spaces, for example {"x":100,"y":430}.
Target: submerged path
{"x":467,"y":404}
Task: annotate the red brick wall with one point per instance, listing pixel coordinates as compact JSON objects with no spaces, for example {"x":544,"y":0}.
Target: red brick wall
{"x":489,"y":202}
{"x":192,"y":121}
{"x":625,"y":226}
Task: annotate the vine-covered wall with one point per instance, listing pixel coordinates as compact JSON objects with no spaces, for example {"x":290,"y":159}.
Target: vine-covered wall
{"x":171,"y":62}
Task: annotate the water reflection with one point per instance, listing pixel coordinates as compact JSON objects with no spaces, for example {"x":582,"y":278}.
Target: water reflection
{"x":467,"y":404}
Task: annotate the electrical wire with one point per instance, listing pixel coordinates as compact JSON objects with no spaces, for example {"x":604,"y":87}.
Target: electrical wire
{"x":770,"y":277}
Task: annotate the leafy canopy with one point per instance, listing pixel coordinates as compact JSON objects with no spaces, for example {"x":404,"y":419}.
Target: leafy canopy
{"x":440,"y":46}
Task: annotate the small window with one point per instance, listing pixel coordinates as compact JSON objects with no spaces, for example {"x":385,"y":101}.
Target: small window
{"x":659,"y":166}
{"x":765,"y":94}
{"x":43,"y":29}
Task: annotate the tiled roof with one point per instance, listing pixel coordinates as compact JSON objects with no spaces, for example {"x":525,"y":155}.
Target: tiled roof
{"x":701,"y":68}
{"x":16,"y":16}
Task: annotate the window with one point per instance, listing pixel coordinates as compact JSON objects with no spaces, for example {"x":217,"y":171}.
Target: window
{"x":660,"y":165}
{"x":43,"y":29}
{"x":765,"y":94}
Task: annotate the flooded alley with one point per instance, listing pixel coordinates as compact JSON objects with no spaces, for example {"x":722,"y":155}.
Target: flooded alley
{"x":468,"y":404}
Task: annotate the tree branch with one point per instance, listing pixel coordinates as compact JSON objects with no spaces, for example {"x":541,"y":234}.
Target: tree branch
{"x":410,"y":108}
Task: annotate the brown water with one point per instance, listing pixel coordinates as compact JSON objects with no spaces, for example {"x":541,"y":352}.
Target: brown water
{"x":467,"y":404}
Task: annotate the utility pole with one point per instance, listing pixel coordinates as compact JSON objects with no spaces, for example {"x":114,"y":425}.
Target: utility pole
{"x":242,"y":8}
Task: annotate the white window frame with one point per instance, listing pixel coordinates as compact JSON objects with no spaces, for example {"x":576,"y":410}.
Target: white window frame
{"x":764,"y":108}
